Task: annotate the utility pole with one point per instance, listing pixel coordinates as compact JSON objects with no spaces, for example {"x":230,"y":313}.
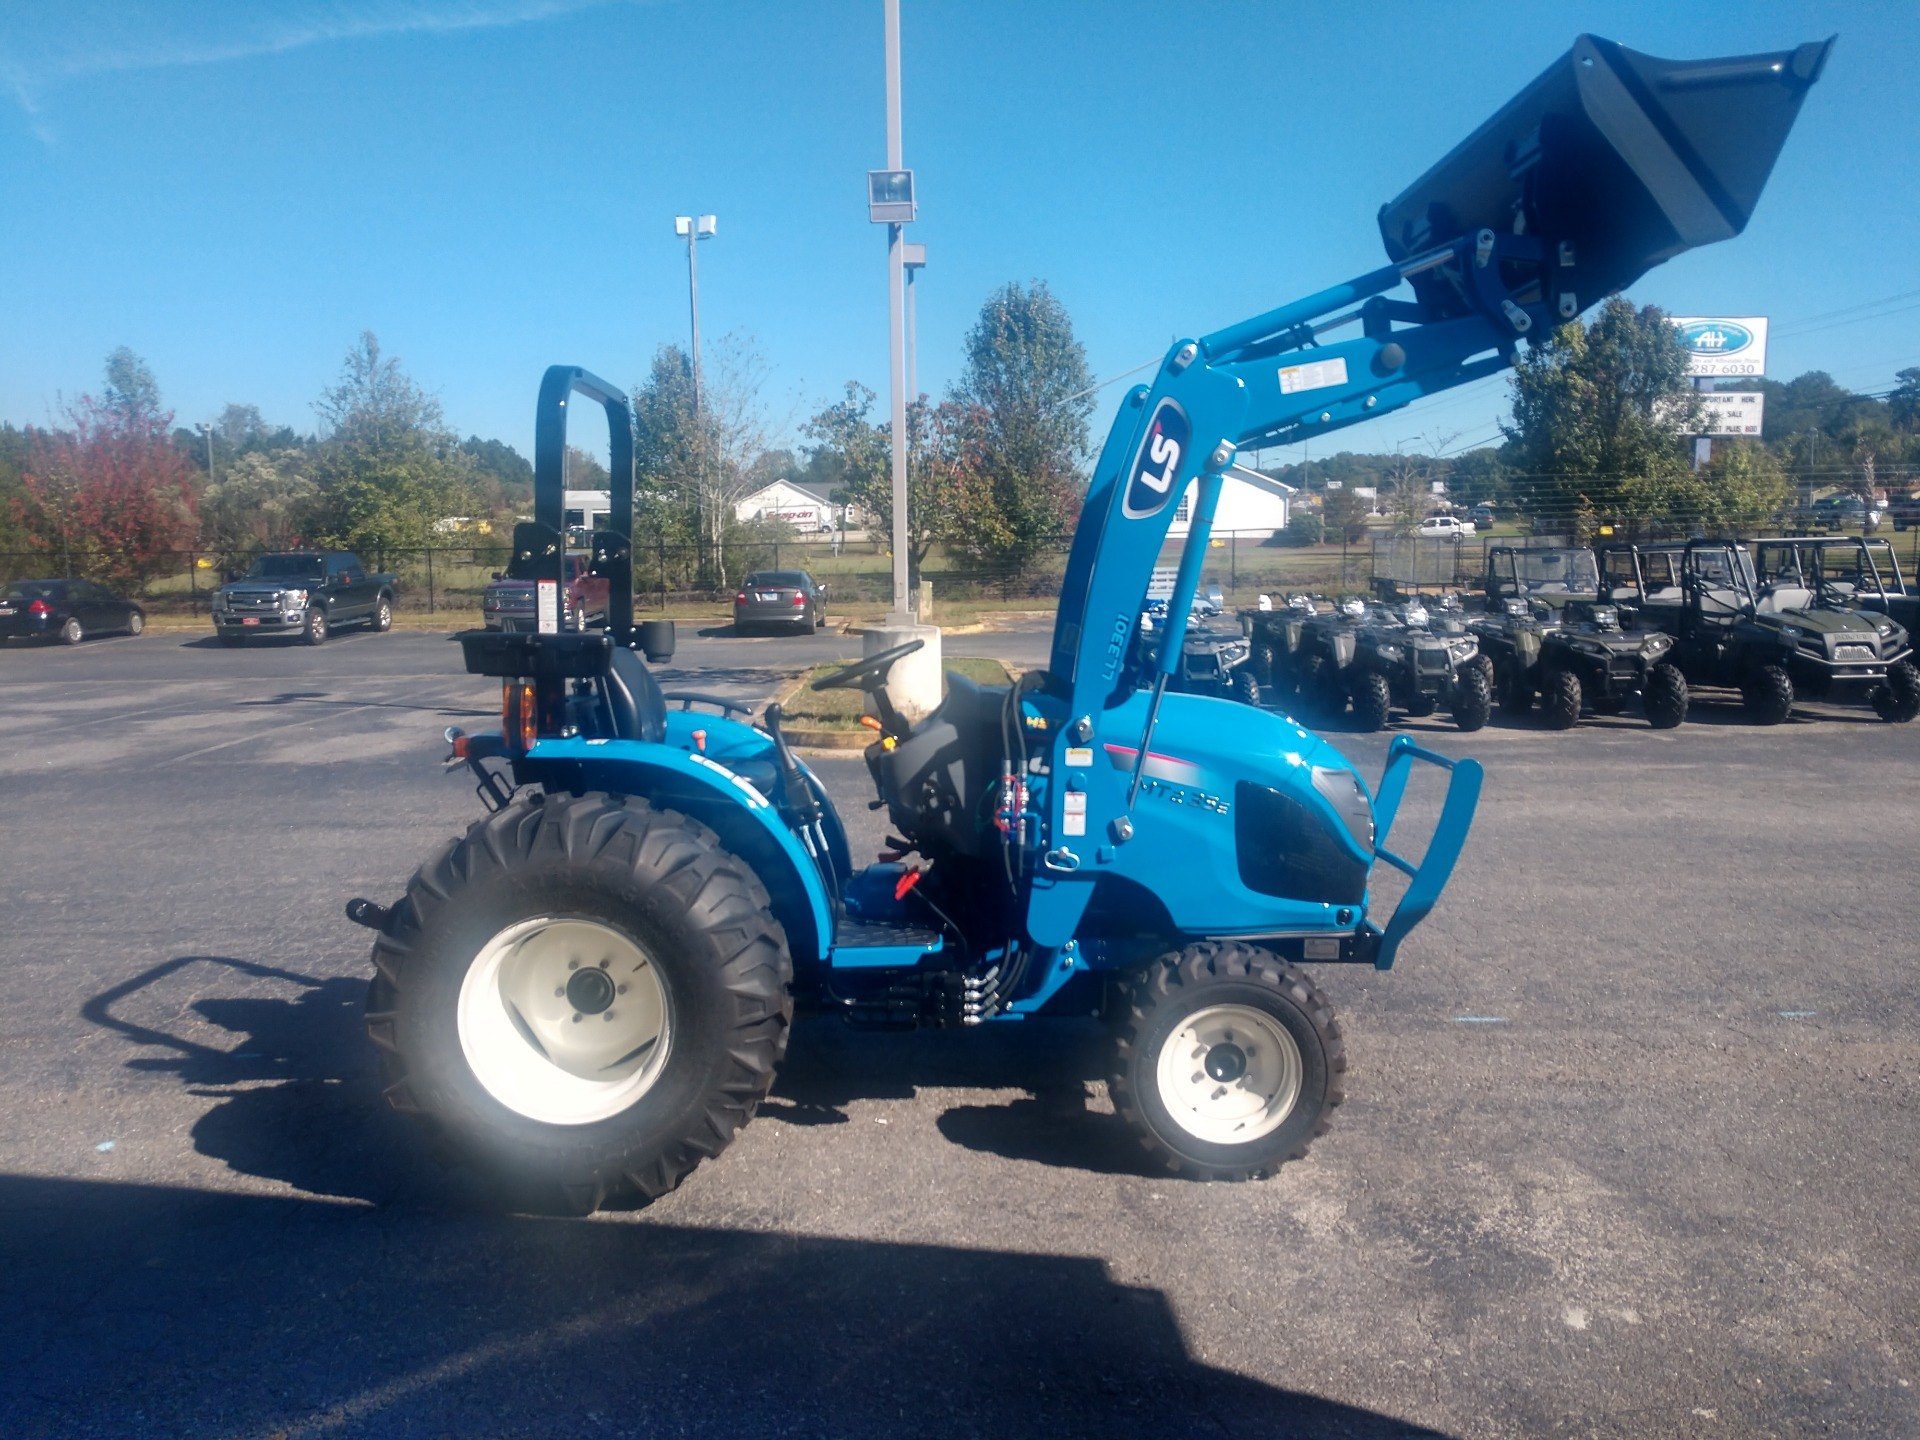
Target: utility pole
{"x":207,"y":429}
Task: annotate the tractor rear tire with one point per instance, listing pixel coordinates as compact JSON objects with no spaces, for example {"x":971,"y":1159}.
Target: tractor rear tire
{"x":1472,"y":698}
{"x":1252,"y":1028}
{"x":1246,"y":686}
{"x":1768,"y":695}
{"x":1372,"y":700}
{"x":1664,"y":697}
{"x":476,"y":977}
{"x":1898,"y":700}
{"x":1560,"y":699}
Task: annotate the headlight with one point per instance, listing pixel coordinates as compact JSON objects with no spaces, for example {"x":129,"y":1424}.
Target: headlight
{"x":1883,"y":631}
{"x":1392,"y":652}
{"x":1517,"y":607}
{"x":293,"y":599}
{"x":1656,"y":644}
{"x":1464,"y":649}
{"x":1342,"y":791}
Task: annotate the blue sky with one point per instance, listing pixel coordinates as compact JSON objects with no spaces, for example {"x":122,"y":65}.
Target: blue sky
{"x":235,"y":190}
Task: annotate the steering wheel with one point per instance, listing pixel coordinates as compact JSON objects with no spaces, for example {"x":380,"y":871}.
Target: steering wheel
{"x":874,"y":666}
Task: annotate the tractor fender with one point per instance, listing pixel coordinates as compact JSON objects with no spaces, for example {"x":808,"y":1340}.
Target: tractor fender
{"x":743,"y":818}
{"x":1343,"y":646}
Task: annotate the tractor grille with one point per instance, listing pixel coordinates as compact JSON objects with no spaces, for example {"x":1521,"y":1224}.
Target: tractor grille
{"x":1855,"y":654}
{"x":1431,"y":662}
{"x":1285,"y":849}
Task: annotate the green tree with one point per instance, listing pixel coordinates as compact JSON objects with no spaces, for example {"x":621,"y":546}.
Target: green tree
{"x":387,"y":467}
{"x":1599,"y":415}
{"x":1029,"y":391}
{"x":946,"y":499}
{"x":1345,"y":514}
{"x":1741,"y":489}
{"x":1903,"y":405}
{"x":261,"y":501}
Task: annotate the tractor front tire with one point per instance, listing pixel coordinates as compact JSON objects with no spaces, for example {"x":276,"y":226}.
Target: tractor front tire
{"x":1560,"y":699}
{"x":1246,"y":687}
{"x":585,"y":995}
{"x":1898,"y":700}
{"x":1665,"y":697}
{"x":1227,"y":1063}
{"x":1767,"y":693}
{"x":1372,"y":700}
{"x":1472,"y":698}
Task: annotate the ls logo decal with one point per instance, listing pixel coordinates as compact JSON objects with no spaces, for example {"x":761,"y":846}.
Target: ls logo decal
{"x":1158,"y":464}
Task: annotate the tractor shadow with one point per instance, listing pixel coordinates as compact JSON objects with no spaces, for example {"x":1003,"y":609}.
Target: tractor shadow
{"x":1059,"y":1118}
{"x":282,"y":1315}
{"x":285,"y":1059}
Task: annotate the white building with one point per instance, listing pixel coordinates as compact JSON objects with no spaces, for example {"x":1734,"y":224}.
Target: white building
{"x":808,"y":508}
{"x":1251,"y":504}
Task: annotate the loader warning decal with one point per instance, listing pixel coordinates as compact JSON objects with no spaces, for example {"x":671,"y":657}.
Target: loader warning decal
{"x":1157,"y":465}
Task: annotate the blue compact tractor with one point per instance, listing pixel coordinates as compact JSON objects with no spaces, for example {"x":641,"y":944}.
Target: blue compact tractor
{"x":592,"y":987}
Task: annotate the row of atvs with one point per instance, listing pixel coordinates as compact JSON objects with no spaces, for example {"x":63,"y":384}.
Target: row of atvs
{"x":1573,"y":631}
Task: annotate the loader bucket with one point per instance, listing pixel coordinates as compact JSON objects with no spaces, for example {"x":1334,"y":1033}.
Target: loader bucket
{"x":1615,"y":159}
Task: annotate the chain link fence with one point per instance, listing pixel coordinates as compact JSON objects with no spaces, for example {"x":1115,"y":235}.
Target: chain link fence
{"x":449,"y":580}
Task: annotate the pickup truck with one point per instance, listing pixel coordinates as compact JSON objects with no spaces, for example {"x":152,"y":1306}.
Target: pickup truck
{"x":307,"y":593}
{"x":508,"y":602}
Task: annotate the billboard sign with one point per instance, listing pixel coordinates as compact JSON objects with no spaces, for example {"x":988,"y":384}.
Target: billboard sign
{"x":1722,"y":346}
{"x":1725,"y":412}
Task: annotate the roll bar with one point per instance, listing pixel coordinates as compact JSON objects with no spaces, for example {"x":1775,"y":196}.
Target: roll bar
{"x":614,"y":558}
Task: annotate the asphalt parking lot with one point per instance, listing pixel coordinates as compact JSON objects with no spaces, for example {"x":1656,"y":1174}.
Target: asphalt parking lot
{"x":1628,"y":1148}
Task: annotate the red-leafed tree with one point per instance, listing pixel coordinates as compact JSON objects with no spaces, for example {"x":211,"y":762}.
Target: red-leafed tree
{"x":111,"y":496}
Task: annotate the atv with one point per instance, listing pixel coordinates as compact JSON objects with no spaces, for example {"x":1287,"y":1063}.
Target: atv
{"x":1213,"y":661}
{"x":1274,"y":634}
{"x":1772,"y":641}
{"x":592,"y":989}
{"x":1550,"y":634}
{"x":1379,"y":658}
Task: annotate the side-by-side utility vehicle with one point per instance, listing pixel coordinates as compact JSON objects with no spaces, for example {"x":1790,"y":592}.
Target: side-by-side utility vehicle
{"x":1773,"y":640}
{"x":592,"y":988}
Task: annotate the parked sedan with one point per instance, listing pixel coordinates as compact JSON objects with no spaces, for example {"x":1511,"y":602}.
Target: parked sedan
{"x":1445,"y":527}
{"x":65,"y":610}
{"x":780,"y":597}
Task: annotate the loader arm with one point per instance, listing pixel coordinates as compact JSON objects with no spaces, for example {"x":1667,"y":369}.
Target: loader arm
{"x":1608,"y":164}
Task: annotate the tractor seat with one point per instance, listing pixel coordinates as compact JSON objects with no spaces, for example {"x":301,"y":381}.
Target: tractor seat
{"x":1784,"y":597}
{"x":637,"y":709}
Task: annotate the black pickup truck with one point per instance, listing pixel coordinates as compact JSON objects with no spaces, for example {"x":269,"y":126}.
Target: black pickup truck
{"x":302,"y":592}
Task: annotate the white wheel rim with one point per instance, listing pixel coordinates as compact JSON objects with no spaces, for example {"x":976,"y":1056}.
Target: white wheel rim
{"x":550,"y":1041}
{"x":1230,"y":1074}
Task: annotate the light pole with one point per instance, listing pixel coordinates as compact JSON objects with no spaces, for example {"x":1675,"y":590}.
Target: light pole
{"x":914,"y":681}
{"x":890,"y":202}
{"x":694,"y":228}
{"x":206,"y":429}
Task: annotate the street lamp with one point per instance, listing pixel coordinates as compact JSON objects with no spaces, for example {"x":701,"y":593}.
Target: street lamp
{"x":206,"y":428}
{"x":694,"y":228}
